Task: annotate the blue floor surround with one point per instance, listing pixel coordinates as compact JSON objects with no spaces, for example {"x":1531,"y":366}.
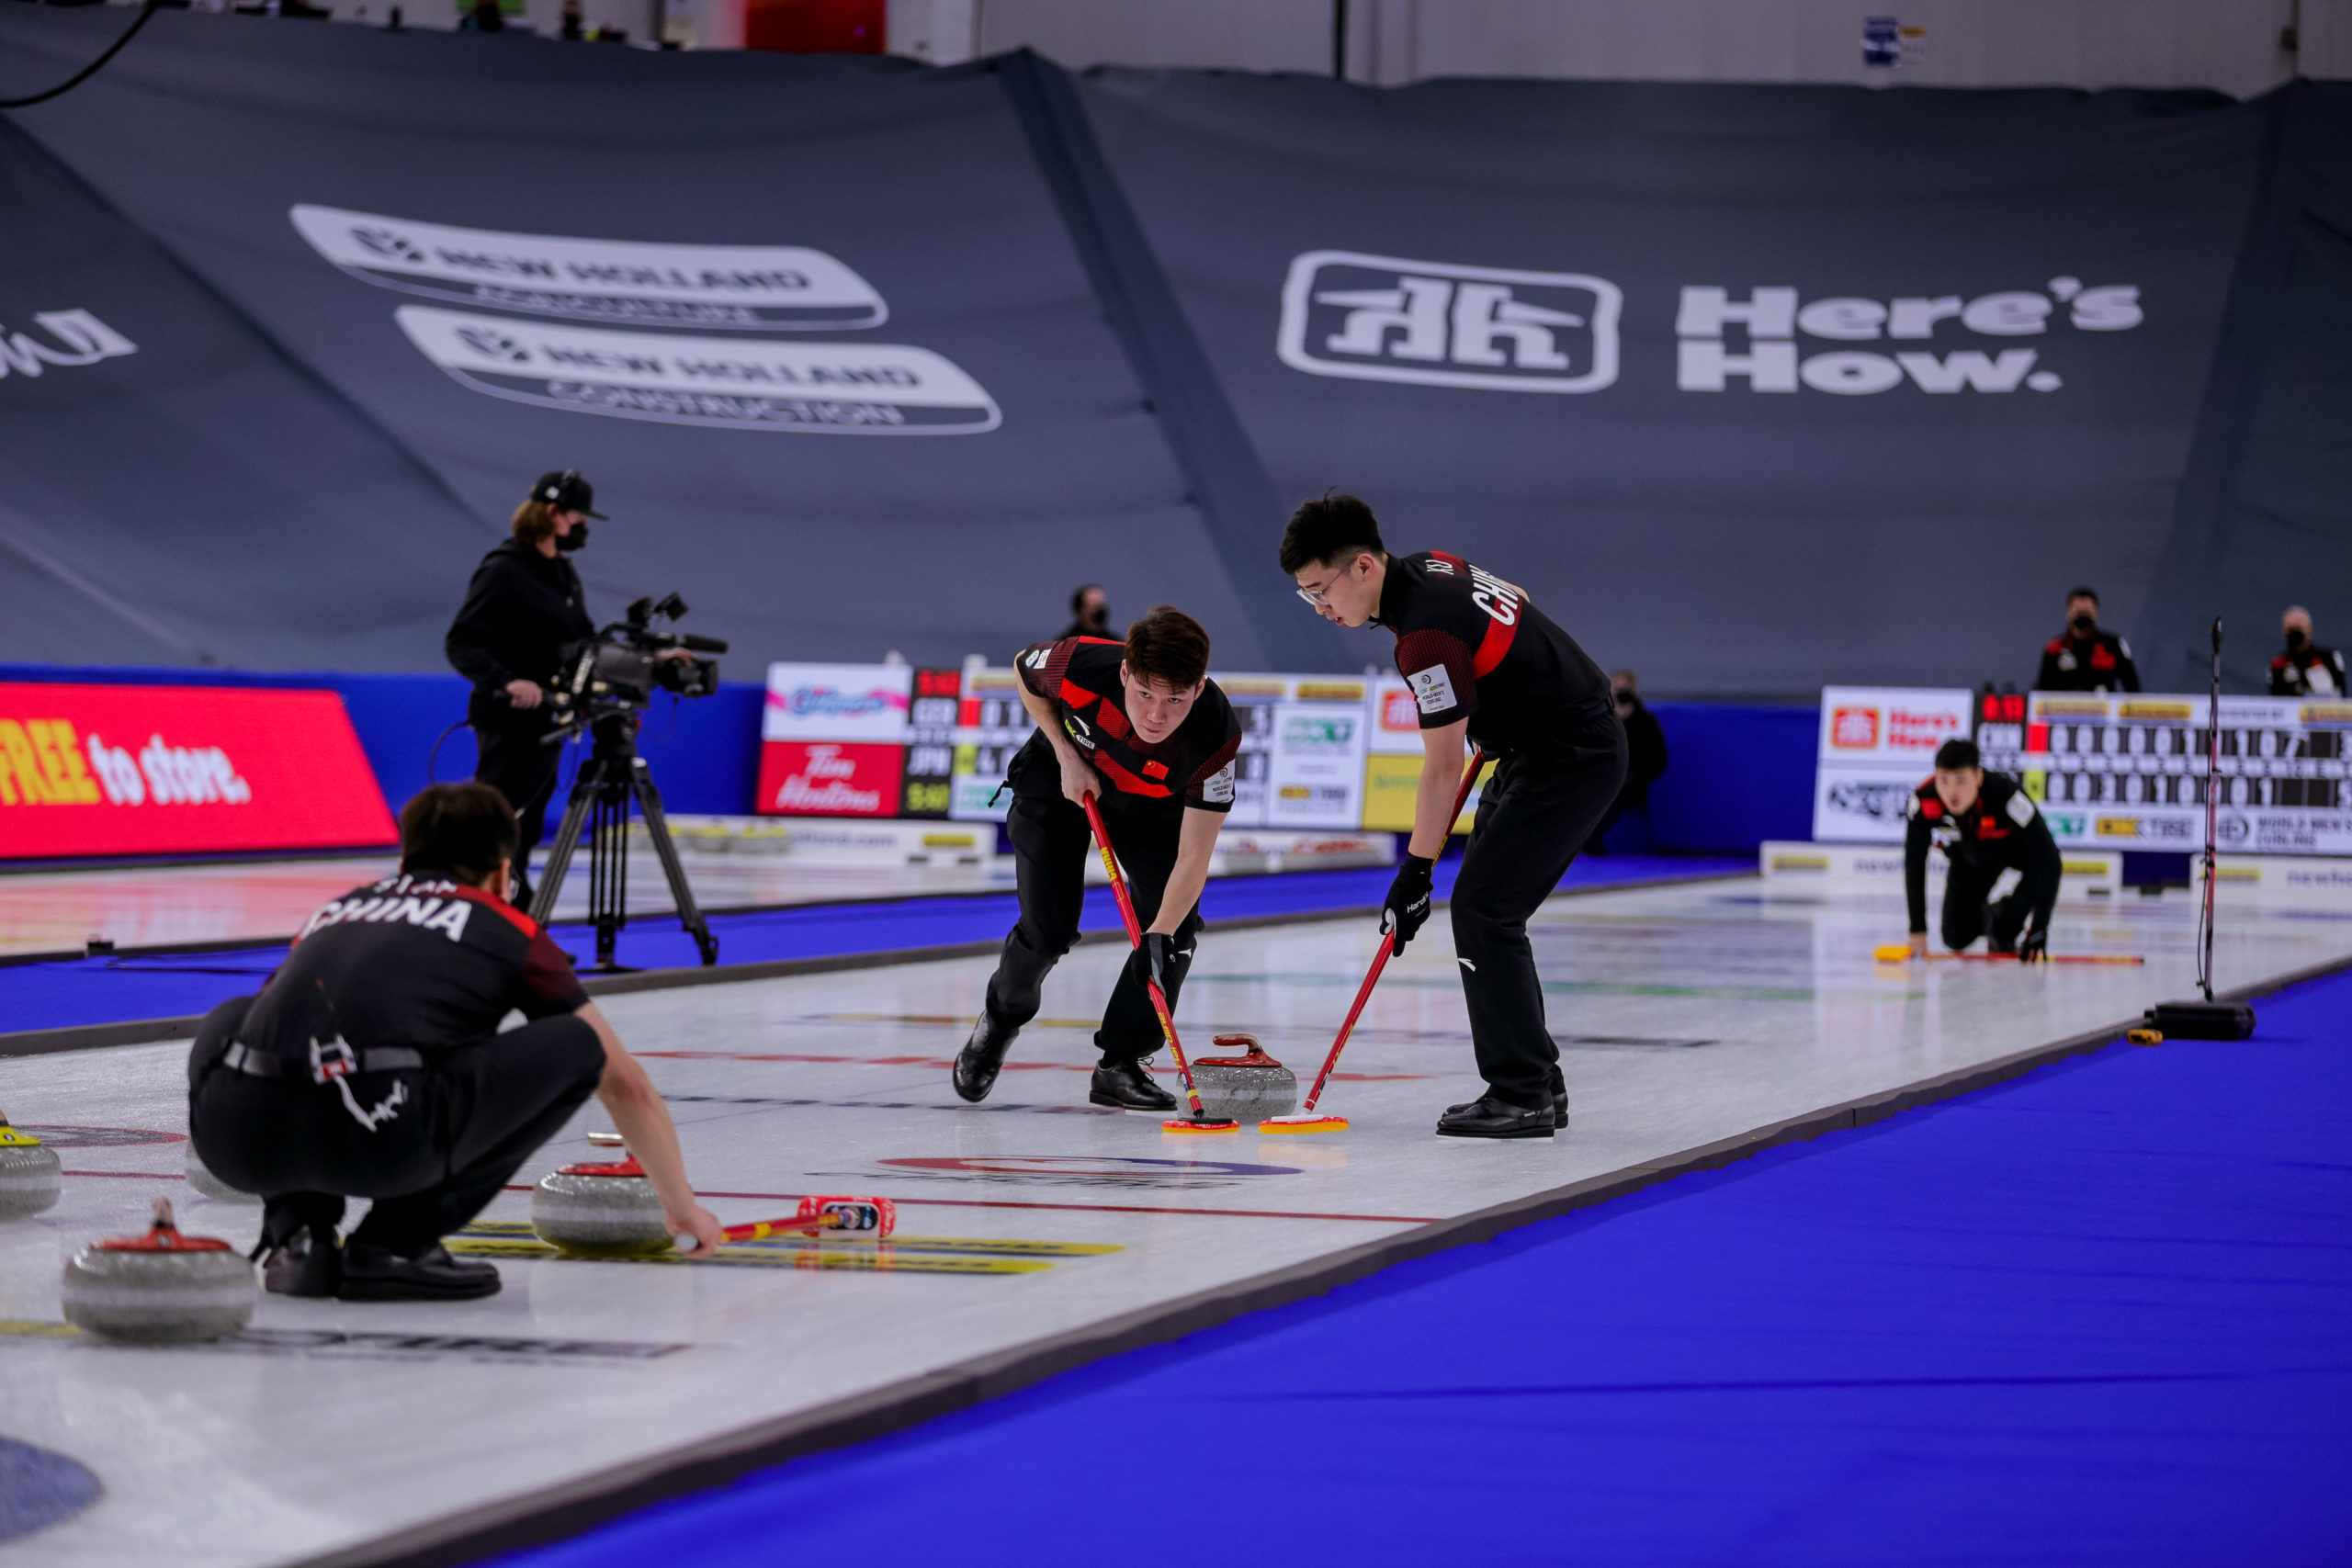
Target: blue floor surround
{"x":2099,"y":1315}
{"x":74,"y":992}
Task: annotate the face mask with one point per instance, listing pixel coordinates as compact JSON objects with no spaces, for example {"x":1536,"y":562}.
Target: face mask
{"x":2295,"y":638}
{"x":575,"y":540}
{"x":2085,"y":624}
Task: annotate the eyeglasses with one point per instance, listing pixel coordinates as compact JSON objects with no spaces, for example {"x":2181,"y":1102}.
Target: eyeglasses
{"x":1314,"y":595}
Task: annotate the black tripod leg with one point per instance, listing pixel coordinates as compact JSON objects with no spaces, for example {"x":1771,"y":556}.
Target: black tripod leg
{"x":566,"y":839}
{"x":657,"y":827}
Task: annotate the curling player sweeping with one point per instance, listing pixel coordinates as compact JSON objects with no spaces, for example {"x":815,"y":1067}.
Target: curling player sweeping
{"x":1986,"y":824}
{"x":1484,"y":664}
{"x":1141,"y":728}
{"x":370,"y":1065}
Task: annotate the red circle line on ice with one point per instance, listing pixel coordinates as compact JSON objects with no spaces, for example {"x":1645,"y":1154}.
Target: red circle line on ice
{"x":1086,"y":1165}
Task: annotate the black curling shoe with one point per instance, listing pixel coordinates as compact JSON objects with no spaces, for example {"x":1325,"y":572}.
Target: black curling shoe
{"x":379,"y":1274}
{"x":1492,"y":1118}
{"x":1127,"y":1086}
{"x":1559,"y":1109}
{"x":982,"y":1058}
{"x":305,"y":1266}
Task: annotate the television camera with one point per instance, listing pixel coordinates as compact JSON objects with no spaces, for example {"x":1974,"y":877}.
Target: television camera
{"x":605,"y":690}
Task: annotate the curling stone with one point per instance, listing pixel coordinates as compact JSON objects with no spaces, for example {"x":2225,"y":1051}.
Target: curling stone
{"x":201,"y":1178}
{"x":600,"y":1210}
{"x":162,"y":1288}
{"x":1246,"y":1089}
{"x":30,"y":1181}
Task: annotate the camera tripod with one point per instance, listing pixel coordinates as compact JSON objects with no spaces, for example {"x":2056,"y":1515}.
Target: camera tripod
{"x":613,"y":776}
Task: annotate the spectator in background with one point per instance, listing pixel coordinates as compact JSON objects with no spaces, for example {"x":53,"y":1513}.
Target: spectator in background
{"x":2083,"y":657}
{"x":1645,"y":758}
{"x":2305,"y":670}
{"x":1090,"y":613}
{"x":574,"y":21}
{"x":483,"y":18}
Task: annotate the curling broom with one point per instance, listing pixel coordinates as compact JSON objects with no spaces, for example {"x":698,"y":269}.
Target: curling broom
{"x":1305,"y":1120}
{"x":1897,"y":953}
{"x":1199,"y":1122}
{"x":878,"y":1215}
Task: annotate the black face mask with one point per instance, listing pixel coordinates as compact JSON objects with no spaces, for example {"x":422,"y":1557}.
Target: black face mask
{"x":2295,"y":638}
{"x":575,"y":540}
{"x":2086,"y":624}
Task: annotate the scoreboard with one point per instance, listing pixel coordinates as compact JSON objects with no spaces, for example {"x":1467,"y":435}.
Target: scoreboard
{"x":2129,"y":770}
{"x":2125,"y":772}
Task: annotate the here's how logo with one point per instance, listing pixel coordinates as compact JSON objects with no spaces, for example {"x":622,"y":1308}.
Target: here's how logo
{"x":857,"y":389}
{"x":1754,"y":340}
{"x":759,"y":287}
{"x":1443,"y":324}
{"x":84,"y":338}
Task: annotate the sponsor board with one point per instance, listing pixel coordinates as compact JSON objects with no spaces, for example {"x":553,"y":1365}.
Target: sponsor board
{"x":1314,"y":773}
{"x":829,"y":778}
{"x":1396,"y":717}
{"x":1876,"y":724}
{"x":617,"y":282}
{"x":1391,"y":783}
{"x":1857,"y":804}
{"x":715,"y":383}
{"x":171,"y":770}
{"x":837,"y":701}
{"x":1373,"y":318}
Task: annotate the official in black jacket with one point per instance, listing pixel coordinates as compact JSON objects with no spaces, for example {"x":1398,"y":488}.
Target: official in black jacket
{"x":2305,"y":670}
{"x":1986,"y":824}
{"x":2084,"y":657}
{"x":525,"y":608}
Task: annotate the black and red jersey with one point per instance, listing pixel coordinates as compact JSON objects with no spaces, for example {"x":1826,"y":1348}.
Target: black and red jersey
{"x":2003,"y":828}
{"x":419,"y":959}
{"x":2099,"y":663}
{"x":1194,"y":767}
{"x":2310,"y":670}
{"x":1470,"y":646}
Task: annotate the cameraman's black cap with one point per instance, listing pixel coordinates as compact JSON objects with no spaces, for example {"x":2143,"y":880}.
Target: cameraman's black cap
{"x":564,"y":490}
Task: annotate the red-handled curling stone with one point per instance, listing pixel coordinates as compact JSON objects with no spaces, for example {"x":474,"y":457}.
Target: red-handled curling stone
{"x":600,"y":1210}
{"x":1245,"y":1089}
{"x":161,"y":1288}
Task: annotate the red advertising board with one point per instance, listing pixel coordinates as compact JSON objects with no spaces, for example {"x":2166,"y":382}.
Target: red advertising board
{"x":829,"y":778}
{"x":172,"y":770}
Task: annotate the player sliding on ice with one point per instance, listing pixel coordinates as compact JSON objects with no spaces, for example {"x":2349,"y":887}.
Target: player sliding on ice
{"x":1482,"y":662}
{"x":1142,"y":729}
{"x":1986,"y":824}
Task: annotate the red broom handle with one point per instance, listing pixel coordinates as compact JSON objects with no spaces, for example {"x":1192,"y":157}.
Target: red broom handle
{"x":1135,"y":938}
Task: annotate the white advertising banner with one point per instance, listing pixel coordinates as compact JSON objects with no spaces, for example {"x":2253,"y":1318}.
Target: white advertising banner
{"x":838,"y":701}
{"x":1315,"y":777}
{"x":1877,"y":744}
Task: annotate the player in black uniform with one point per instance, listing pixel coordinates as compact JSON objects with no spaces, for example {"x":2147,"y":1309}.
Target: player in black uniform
{"x":1482,"y":662}
{"x":1141,"y":728}
{"x":1986,"y":824}
{"x":370,"y":1066}
{"x":2083,"y":657}
{"x":2305,"y":670}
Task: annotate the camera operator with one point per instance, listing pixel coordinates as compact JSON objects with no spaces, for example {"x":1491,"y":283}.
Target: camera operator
{"x":524,"y":605}
{"x":370,"y":1065}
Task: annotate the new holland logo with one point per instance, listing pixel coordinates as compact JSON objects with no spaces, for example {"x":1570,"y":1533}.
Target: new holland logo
{"x":850,"y":389}
{"x":759,"y":287}
{"x":1442,"y":324}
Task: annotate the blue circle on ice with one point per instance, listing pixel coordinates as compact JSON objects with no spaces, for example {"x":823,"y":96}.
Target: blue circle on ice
{"x":38,"y":1488}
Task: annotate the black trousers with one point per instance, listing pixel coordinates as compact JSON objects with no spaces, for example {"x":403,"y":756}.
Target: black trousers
{"x":1533,"y":816}
{"x":455,"y":1132}
{"x":1051,"y":844}
{"x":515,"y":759}
{"x":1969,"y":913}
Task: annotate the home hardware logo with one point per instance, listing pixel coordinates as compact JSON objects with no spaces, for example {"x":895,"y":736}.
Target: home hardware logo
{"x":1373,"y":318}
{"x":1753,"y":340}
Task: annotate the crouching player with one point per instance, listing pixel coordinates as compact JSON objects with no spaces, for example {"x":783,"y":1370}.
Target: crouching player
{"x":370,"y":1065}
{"x":1142,"y":729}
{"x":1986,"y":824}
